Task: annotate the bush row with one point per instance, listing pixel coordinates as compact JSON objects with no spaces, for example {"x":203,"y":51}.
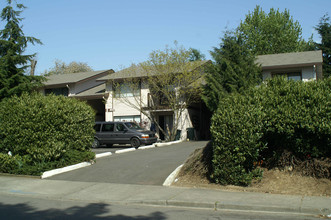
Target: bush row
{"x":259,"y":126}
{"x":44,"y":132}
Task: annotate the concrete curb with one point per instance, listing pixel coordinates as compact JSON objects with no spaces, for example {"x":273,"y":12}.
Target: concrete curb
{"x":171,"y":178}
{"x":167,"y":143}
{"x":64,"y":169}
{"x":147,"y":147}
{"x":103,"y":155}
{"x":72,"y":167}
{"x":217,"y":206}
{"x":125,"y":150}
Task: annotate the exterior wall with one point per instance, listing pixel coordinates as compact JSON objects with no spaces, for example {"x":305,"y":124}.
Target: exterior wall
{"x":88,"y":83}
{"x":144,"y":94}
{"x":120,"y":106}
{"x":117,"y":107}
{"x":124,"y":109}
{"x":185,"y":123}
{"x":308,"y":73}
{"x":266,"y":75}
{"x":319,"y":71}
{"x":79,"y":87}
{"x":72,"y":89}
{"x":109,"y":110}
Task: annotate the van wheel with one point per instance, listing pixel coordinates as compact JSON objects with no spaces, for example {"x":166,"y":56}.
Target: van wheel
{"x":96,"y":143}
{"x":135,"y":142}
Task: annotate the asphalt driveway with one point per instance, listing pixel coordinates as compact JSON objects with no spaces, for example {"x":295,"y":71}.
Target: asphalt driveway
{"x":147,"y":167}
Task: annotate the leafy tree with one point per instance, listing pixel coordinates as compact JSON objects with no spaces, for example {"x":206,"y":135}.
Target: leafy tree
{"x":61,"y":67}
{"x":275,"y":32}
{"x":196,"y":55}
{"x":173,"y":83}
{"x":324,"y":30}
{"x":13,"y":63}
{"x":233,"y":70}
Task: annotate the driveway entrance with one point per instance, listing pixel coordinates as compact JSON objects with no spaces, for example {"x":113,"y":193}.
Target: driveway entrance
{"x":147,"y":167}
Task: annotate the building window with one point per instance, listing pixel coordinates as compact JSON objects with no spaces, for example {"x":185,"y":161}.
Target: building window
{"x":296,"y":76}
{"x":127,"y":90}
{"x":57,"y":91}
{"x":131,"y":118}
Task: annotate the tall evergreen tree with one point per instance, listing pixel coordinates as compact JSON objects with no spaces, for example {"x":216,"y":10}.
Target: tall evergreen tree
{"x":324,"y":29}
{"x":234,"y":70}
{"x":13,"y":63}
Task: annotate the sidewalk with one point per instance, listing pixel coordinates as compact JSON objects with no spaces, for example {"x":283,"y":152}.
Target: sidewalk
{"x":163,"y":196}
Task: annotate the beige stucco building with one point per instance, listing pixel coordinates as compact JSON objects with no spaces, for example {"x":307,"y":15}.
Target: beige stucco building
{"x":96,"y":89}
{"x":303,"y":66}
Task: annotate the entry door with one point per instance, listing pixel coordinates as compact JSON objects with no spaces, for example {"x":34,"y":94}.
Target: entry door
{"x":166,"y":123}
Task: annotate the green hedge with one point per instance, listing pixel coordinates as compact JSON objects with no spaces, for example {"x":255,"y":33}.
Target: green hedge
{"x":278,"y":115}
{"x":44,"y":132}
{"x":236,"y":131}
{"x":298,"y":118}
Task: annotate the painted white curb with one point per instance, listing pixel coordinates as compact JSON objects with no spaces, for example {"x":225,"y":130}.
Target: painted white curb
{"x":172,"y":176}
{"x":64,"y":169}
{"x":146,"y":147}
{"x":124,"y":150}
{"x":103,"y":155}
{"x":168,"y":143}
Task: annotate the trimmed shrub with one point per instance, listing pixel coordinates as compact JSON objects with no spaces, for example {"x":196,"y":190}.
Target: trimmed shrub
{"x":46,"y":131}
{"x":277,"y":116}
{"x":236,"y":131}
{"x":298,"y":118}
{"x":8,"y":163}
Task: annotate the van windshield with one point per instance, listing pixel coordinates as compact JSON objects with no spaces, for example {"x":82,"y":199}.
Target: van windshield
{"x":132,"y":125}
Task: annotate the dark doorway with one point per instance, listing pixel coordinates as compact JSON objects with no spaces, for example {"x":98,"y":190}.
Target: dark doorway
{"x":161,"y":123}
{"x":166,"y":123}
{"x":99,"y":107}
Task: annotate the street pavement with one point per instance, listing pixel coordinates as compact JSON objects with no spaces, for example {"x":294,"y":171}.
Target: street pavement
{"x":27,"y":208}
{"x":134,"y":194}
{"x":130,"y":194}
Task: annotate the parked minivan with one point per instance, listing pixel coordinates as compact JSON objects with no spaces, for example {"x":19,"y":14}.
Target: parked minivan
{"x":110,"y":133}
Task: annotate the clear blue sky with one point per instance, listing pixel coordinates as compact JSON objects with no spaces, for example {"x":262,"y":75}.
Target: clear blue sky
{"x":112,"y":34}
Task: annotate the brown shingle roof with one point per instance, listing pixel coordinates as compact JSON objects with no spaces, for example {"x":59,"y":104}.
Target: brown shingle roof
{"x":95,"y":91}
{"x":69,"y":78}
{"x":290,"y":59}
{"x":134,"y":71}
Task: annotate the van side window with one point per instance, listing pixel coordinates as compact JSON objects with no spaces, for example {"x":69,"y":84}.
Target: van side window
{"x":108,"y":127}
{"x":119,"y":127}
